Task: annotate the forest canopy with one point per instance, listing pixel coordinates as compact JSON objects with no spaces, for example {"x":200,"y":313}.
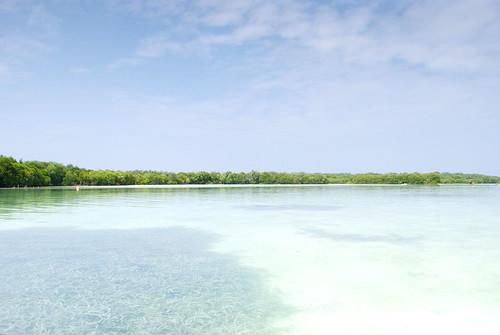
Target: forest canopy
{"x":14,"y":173}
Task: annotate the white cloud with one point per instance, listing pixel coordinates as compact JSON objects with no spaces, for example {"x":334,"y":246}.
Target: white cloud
{"x":17,"y":48}
{"x":123,"y":62}
{"x":224,"y":13}
{"x":354,"y":81}
{"x":79,"y":70}
{"x":149,"y":8}
{"x":451,"y":36}
{"x":156,"y":46}
{"x":151,"y":47}
{"x":16,"y":51}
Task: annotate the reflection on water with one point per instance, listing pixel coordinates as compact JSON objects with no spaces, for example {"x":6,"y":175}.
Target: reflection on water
{"x":163,"y":281}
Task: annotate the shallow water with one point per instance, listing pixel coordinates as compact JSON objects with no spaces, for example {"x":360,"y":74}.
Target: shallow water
{"x":257,"y":260}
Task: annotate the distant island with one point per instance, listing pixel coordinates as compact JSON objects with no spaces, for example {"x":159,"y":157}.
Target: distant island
{"x":14,"y":173}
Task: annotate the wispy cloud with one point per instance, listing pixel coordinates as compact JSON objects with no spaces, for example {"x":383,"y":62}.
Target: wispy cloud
{"x":16,"y":51}
{"x":17,"y":48}
{"x":454,"y":36}
{"x":149,"y":8}
{"x":42,"y":20}
{"x":79,"y":70}
{"x":150,"y":47}
{"x":9,"y":5}
{"x":4,"y":71}
{"x":30,"y":40}
{"x":313,"y":85}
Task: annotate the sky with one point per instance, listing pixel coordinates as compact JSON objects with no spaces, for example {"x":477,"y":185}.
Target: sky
{"x":285,"y":85}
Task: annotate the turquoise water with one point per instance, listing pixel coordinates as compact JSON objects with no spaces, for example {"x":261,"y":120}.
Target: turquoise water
{"x":251,"y":260}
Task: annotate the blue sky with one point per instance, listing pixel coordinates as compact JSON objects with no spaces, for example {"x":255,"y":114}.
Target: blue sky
{"x":331,"y":86}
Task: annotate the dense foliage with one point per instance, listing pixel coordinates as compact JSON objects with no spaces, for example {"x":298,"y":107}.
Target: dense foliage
{"x":15,"y":173}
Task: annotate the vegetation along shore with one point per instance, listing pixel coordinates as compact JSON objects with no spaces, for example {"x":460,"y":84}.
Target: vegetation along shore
{"x":14,"y":173}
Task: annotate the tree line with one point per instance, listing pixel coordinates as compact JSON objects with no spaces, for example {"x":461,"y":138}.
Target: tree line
{"x":14,"y":173}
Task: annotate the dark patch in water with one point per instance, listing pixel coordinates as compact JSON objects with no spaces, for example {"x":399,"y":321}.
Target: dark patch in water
{"x":152,"y":281}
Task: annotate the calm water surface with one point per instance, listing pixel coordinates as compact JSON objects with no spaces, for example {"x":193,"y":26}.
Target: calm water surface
{"x":386,"y":260}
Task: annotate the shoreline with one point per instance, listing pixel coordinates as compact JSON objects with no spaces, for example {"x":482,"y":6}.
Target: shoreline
{"x":194,"y":186}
